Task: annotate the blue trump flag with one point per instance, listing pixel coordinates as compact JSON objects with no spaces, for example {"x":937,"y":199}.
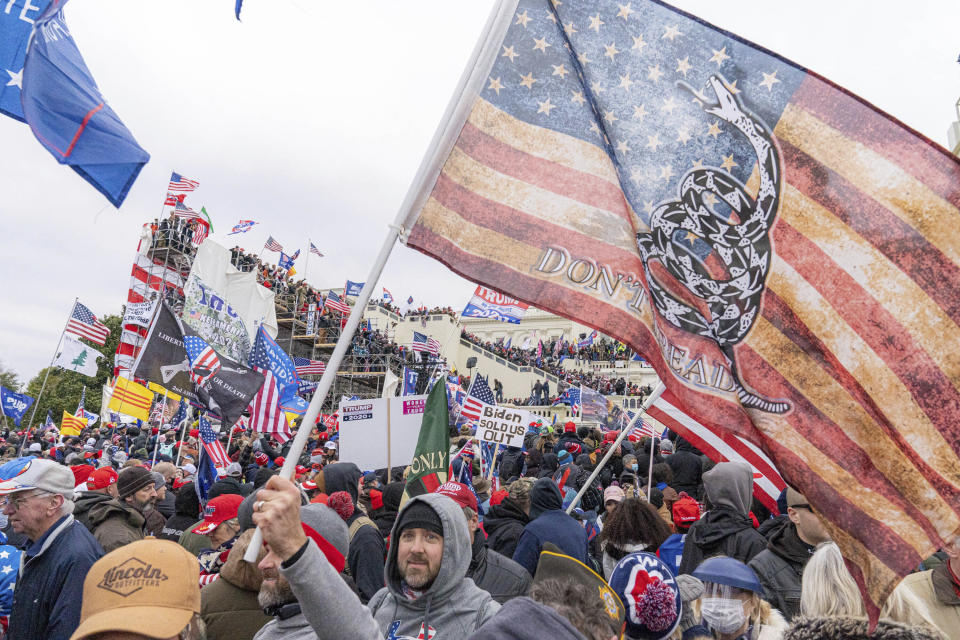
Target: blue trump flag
{"x":409,"y":382}
{"x":206,"y":475}
{"x":68,"y":114}
{"x":353,"y":288}
{"x":267,"y":354}
{"x":16,"y":23}
{"x":14,"y":404}
{"x":286,"y":262}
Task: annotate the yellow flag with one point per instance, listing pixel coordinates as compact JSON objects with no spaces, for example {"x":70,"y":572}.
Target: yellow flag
{"x":131,"y":399}
{"x":156,"y":388}
{"x":71,"y":425}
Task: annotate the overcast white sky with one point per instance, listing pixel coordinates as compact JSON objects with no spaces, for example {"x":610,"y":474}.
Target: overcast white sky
{"x":312,"y":117}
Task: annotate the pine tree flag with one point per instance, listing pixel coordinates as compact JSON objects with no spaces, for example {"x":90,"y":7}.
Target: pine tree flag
{"x":431,"y":457}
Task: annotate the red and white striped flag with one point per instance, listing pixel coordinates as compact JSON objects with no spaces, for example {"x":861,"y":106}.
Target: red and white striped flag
{"x":721,"y":446}
{"x":179,"y":183}
{"x":84,"y":324}
{"x":212,"y":444}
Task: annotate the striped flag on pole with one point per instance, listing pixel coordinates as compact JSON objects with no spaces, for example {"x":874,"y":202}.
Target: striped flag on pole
{"x":212,"y":445}
{"x":305,"y":366}
{"x":272,"y":245}
{"x":721,"y":446}
{"x":266,"y":416}
{"x":179,"y":183}
{"x":84,"y":324}
{"x":784,"y":254}
{"x":336,"y":302}
{"x":422,"y":342}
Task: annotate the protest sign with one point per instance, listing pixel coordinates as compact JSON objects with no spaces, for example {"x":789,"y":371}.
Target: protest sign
{"x":502,"y":426}
{"x":380,"y":432}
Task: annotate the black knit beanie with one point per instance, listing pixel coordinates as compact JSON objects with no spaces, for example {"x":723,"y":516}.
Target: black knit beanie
{"x":419,"y":515}
{"x":132,"y":479}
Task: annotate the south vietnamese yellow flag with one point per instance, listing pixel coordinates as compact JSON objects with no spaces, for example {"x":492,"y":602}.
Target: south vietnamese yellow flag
{"x":71,"y":425}
{"x":131,"y":399}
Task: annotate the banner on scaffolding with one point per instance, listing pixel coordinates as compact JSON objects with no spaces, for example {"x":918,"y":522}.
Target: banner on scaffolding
{"x":487,"y":303}
{"x":378,"y":432}
{"x":211,"y":316}
{"x":312,"y":319}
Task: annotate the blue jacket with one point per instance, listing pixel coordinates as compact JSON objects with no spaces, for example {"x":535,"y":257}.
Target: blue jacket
{"x":551,"y":524}
{"x":46,"y":602}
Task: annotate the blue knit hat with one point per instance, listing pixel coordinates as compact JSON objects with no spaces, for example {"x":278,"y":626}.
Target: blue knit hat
{"x":730,"y":572}
{"x":563,"y":456}
{"x":650,"y":595}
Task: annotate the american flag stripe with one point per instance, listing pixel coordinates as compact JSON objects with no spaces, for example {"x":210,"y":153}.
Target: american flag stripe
{"x":265,"y":413}
{"x":860,"y":297}
{"x":179,"y":183}
{"x":718,"y":448}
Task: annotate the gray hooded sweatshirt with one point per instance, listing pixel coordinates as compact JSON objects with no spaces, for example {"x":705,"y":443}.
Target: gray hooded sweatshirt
{"x":453,"y":605}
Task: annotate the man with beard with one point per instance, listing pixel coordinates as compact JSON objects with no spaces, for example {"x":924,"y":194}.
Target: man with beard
{"x":37,"y":500}
{"x":326,"y":529}
{"x":427,"y":592}
{"x":121,"y":521}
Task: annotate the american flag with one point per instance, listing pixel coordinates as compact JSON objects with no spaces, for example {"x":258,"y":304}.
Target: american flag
{"x":335,"y":302}
{"x":571,"y":397}
{"x":305,"y":366}
{"x":422,"y":343}
{"x":212,"y":445}
{"x":200,"y":232}
{"x":179,"y":183}
{"x":643,"y":430}
{"x":315,"y":251}
{"x":84,"y":324}
{"x":387,"y":296}
{"x":272,"y":245}
{"x":479,"y":396}
{"x":204,"y":362}
{"x":721,"y":447}
{"x":647,"y":142}
{"x":266,"y":416}
{"x":181,"y":210}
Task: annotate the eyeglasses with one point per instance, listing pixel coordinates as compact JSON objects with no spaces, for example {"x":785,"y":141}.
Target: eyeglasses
{"x":16,"y":503}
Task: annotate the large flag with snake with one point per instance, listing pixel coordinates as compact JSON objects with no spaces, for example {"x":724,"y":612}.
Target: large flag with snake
{"x":785,"y":255}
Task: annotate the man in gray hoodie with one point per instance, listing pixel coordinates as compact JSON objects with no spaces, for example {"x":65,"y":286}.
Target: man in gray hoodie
{"x":726,"y":528}
{"x":425,"y":573}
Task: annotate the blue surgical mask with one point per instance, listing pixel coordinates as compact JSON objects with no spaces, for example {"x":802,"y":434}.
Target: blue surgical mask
{"x":634,"y":467}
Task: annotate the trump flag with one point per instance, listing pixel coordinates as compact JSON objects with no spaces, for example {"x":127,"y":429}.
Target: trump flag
{"x":784,"y":254}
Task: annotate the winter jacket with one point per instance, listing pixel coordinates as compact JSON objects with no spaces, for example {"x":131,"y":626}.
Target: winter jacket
{"x":780,"y":569}
{"x":385,"y":517}
{"x":229,"y":605}
{"x":687,"y":467}
{"x":116,"y":523}
{"x":175,"y":526}
{"x":849,"y":628}
{"x":82,"y":504}
{"x":549,"y":524}
{"x":498,"y":575}
{"x":453,"y":606}
{"x":725,"y":529}
{"x":46,"y":602}
{"x":612,"y":554}
{"x":504,"y":523}
{"x":365,"y":557}
{"x":522,"y":619}
{"x":168,"y":506}
{"x":927,"y":597}
{"x":229,"y":485}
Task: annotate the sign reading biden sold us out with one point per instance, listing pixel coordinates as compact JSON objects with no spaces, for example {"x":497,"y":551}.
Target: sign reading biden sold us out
{"x":502,"y":426}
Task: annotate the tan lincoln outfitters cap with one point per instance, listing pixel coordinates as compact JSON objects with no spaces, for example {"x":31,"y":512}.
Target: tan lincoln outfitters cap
{"x":150,"y":587}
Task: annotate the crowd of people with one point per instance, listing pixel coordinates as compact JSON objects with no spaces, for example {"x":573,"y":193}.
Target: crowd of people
{"x":544,"y":359}
{"x":174,"y":232}
{"x":116,"y":535}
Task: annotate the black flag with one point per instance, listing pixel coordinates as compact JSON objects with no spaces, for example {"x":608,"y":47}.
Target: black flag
{"x":163,"y":360}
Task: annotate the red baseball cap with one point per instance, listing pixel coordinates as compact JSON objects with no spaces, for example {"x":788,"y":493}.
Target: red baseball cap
{"x":611,"y":436}
{"x":218,"y":511}
{"x":460,"y":493}
{"x":279,"y":461}
{"x":261,"y":458}
{"x":81,"y":472}
{"x":102,"y":478}
{"x":569,"y":426}
{"x":686,"y":511}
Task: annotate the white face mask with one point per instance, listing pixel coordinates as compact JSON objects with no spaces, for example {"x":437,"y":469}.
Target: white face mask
{"x":723,"y":614}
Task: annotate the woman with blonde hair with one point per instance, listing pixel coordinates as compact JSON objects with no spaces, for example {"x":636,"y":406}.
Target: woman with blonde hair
{"x":831,"y":605}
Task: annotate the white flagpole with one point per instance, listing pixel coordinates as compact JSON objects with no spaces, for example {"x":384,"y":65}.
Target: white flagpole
{"x":47,"y":375}
{"x":330,"y":374}
{"x":623,"y":434}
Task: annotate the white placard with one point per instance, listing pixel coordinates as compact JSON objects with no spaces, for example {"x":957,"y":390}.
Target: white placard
{"x":502,"y":426}
{"x":364,"y":435}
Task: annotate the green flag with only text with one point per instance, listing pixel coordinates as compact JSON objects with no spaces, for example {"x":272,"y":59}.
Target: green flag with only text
{"x":428,"y":470}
